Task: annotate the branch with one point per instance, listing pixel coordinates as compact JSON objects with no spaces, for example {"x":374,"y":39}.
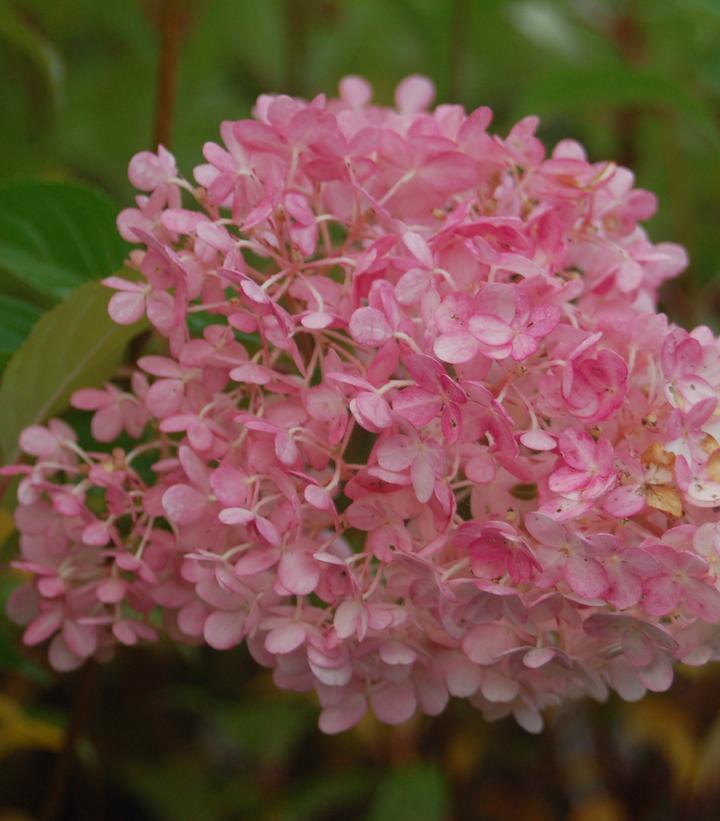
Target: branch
{"x":171,"y":21}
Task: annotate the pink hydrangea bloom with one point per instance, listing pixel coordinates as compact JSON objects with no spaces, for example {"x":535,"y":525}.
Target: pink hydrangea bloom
{"x":416,"y":429}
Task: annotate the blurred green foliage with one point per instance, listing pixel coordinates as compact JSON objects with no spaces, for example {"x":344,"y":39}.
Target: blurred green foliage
{"x":167,"y":734}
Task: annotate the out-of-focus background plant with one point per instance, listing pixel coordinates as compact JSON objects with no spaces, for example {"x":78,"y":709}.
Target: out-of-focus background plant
{"x":194,"y":734}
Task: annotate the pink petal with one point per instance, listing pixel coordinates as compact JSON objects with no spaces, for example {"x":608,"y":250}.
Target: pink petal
{"x":81,"y":639}
{"x":625,"y":589}
{"x":285,"y":449}
{"x":107,"y":423}
{"x":60,"y":656}
{"x":490,"y":330}
{"x":91,"y":399}
{"x":236,"y":516}
{"x":43,"y":627}
{"x":661,"y":595}
{"x":624,"y":502}
{"x":111,"y":591}
{"x":394,"y":703}
{"x":545,"y":530}
{"x":485,"y":642}
{"x":637,"y":648}
{"x":286,"y":638}
{"x":449,"y":171}
{"x":267,"y":530}
{"x":317,"y":320}
{"x":318,"y":497}
{"x":523,"y":346}
{"x":578,"y":449}
{"x":658,"y":676}
{"x":256,"y":561}
{"x":184,"y":505}
{"x":161,"y":310}
{"x":586,"y":577}
{"x":567,"y":480}
{"x":251,"y":373}
{"x":371,"y":411}
{"x":423,"y":477}
{"x":461,"y":675}
{"x":417,"y":406}
{"x":628,"y":276}
{"x":411,"y":285}
{"x":224,"y":630}
{"x":413,"y":94}
{"x":126,"y":307}
{"x":368,"y":326}
{"x":538,"y":657}
{"x":395,"y":652}
{"x":191,"y":618}
{"x":538,"y":440}
{"x":343,"y":716}
{"x":396,"y":452}
{"x":165,"y":397}
{"x":38,"y":441}
{"x":481,"y":468}
{"x":497,"y":687}
{"x":298,"y":573}
{"x":456,"y":348}
{"x":703,"y":601}
{"x":355,"y":91}
{"x":419,"y":248}
{"x":229,"y":486}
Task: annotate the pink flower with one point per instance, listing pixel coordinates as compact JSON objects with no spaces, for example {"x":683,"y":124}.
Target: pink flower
{"x":595,"y":388}
{"x":435,"y":393}
{"x":569,"y":557}
{"x":408,"y":424}
{"x":424,"y":460}
{"x":115,"y":411}
{"x":680,"y":582}
{"x":497,"y":550}
{"x":586,"y":471}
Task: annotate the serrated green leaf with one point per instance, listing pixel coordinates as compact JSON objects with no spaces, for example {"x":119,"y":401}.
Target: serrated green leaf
{"x":74,"y":345}
{"x":415,"y":793}
{"x":17,"y":318}
{"x":55,"y":236}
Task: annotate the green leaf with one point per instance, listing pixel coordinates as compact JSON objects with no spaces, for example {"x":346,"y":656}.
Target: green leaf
{"x":55,"y":236}
{"x":12,"y":661}
{"x":266,"y":729}
{"x":17,"y":318}
{"x":335,"y":792}
{"x":74,"y":345}
{"x":415,"y":793}
{"x":178,"y":789}
{"x":574,"y":89}
{"x":16,"y":30}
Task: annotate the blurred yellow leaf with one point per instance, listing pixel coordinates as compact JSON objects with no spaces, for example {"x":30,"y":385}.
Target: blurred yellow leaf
{"x":600,"y":807}
{"x":18,"y":731}
{"x":6,"y":524}
{"x":464,"y":754}
{"x":691,"y":673}
{"x":666,"y":726}
{"x":707,"y":770}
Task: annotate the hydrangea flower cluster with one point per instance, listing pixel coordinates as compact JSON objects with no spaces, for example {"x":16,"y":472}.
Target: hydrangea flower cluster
{"x":417,"y":429}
